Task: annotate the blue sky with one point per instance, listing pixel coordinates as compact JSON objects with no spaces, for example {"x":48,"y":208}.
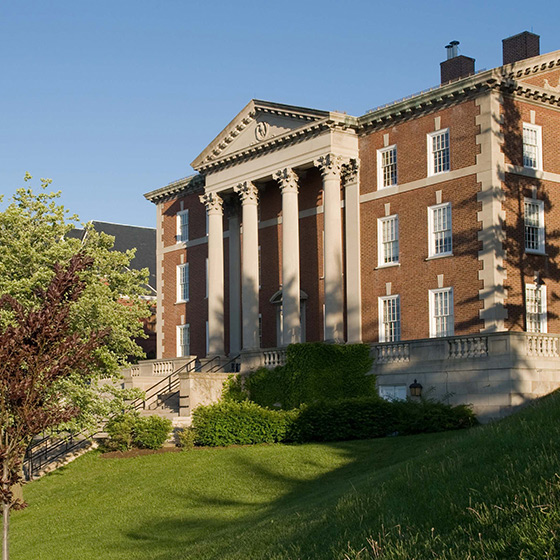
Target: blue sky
{"x":112,"y":99}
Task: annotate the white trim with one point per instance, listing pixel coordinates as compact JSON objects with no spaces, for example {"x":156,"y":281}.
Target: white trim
{"x":540,"y":227}
{"x":446,"y":163}
{"x":180,"y":330}
{"x":533,"y":128}
{"x":182,"y":235}
{"x":450,"y":330}
{"x":381,"y":242}
{"x":180,"y":284}
{"x":380,"y":175}
{"x":432,"y":245}
{"x":383,"y":335}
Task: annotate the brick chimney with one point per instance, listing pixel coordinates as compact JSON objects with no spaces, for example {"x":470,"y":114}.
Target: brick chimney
{"x":520,"y":46}
{"x":457,"y":65}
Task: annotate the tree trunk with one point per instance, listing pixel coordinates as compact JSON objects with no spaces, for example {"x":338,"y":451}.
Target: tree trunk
{"x":6,"y":525}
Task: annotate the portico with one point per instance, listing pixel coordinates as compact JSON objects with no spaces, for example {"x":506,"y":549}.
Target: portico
{"x":267,"y":143}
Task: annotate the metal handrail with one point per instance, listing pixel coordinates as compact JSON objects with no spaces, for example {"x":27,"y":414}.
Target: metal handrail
{"x":222,"y":367}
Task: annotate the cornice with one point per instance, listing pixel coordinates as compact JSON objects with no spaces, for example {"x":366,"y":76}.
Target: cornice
{"x":190,"y":184}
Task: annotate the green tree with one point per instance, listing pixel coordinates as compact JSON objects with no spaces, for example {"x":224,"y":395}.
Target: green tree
{"x":34,"y":230}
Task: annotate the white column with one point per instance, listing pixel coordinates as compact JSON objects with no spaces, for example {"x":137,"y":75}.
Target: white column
{"x":214,"y":208}
{"x":290,"y":256}
{"x":330,"y":166}
{"x":350,"y":173}
{"x":250,"y":265}
{"x":234,"y":281}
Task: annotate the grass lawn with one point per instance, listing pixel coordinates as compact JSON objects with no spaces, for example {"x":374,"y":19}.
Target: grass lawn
{"x":491,"y":492}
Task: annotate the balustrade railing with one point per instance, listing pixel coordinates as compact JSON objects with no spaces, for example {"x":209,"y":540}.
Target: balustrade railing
{"x":387,"y":353}
{"x":542,"y":345}
{"x":274,"y":357}
{"x":468,"y":347}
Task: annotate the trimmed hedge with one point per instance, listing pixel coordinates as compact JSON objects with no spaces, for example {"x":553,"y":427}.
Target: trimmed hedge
{"x":129,"y":429}
{"x":313,"y":372}
{"x":229,"y":423}
{"x":239,"y":423}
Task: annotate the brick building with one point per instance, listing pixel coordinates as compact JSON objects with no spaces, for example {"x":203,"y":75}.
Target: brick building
{"x":433,"y":216}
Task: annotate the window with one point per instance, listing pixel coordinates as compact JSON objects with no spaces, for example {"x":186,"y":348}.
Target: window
{"x":393,"y":392}
{"x":441,"y":313}
{"x":439,"y":230}
{"x":438,"y":152}
{"x":534,"y":225}
{"x":183,"y":225}
{"x":183,"y":282}
{"x":389,"y":319}
{"x":388,"y":240}
{"x":387,"y":167}
{"x":532,"y":146}
{"x":183,"y":340}
{"x":535,"y":305}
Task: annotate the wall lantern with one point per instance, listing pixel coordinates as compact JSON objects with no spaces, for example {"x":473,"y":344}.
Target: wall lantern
{"x":415,"y":389}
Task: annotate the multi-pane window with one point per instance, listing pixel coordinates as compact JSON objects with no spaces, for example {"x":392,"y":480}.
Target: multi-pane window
{"x":389,"y":319}
{"x":439,"y":228}
{"x":183,"y":340}
{"x":388,"y":240}
{"x":532,"y":146}
{"x":183,"y":282}
{"x":438,"y":152}
{"x":183,"y":225}
{"x":535,"y":306}
{"x":387,"y":167}
{"x":534,"y":225}
{"x":393,"y":392}
{"x":441,"y":312}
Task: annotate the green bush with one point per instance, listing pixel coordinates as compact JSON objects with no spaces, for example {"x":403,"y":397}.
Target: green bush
{"x":371,"y":417}
{"x":241,"y":423}
{"x":120,"y":430}
{"x":313,"y":372}
{"x":186,"y":438}
{"x":152,"y":432}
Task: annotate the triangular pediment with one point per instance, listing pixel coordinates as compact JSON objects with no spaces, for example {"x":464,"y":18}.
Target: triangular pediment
{"x":258,"y":122}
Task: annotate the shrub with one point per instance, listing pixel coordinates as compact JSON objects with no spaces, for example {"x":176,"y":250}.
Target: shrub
{"x":120,"y":430}
{"x":152,"y":432}
{"x":371,"y":417}
{"x":313,"y":372}
{"x":186,"y":438}
{"x":230,"y":423}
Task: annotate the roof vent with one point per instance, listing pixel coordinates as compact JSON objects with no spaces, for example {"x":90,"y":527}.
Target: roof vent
{"x":452,"y":49}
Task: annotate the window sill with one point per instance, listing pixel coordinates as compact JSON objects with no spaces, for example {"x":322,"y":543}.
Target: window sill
{"x":389,"y":265}
{"x":442,"y":256}
{"x":535,"y":252}
{"x":181,"y":301}
{"x":386,"y":188}
{"x":433,"y":174}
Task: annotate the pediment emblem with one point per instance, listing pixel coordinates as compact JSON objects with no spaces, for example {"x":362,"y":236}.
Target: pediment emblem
{"x":261,"y":131}
{"x":555,"y":88}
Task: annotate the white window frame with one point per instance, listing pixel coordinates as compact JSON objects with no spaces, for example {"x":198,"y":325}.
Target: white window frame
{"x":433,"y":235}
{"x":536,"y":318}
{"x":182,"y":227}
{"x":532,"y":161}
{"x":439,"y":167}
{"x":180,"y":284}
{"x":385,"y":336}
{"x":392,"y":245}
{"x":538,"y":228}
{"x":393,"y":177}
{"x":435,"y":331}
{"x":392,"y":392}
{"x":181,"y":329}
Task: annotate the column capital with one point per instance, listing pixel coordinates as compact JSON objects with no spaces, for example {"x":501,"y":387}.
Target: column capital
{"x":288,"y":180}
{"x":330,"y":164}
{"x":350,"y":171}
{"x":248,"y":193}
{"x":213,"y":202}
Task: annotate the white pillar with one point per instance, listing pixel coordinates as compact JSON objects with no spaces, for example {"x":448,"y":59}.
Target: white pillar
{"x":250,"y":265}
{"x":290,"y":256}
{"x":350,"y":175}
{"x":330,"y":166}
{"x":234,"y":281}
{"x":214,"y":208}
